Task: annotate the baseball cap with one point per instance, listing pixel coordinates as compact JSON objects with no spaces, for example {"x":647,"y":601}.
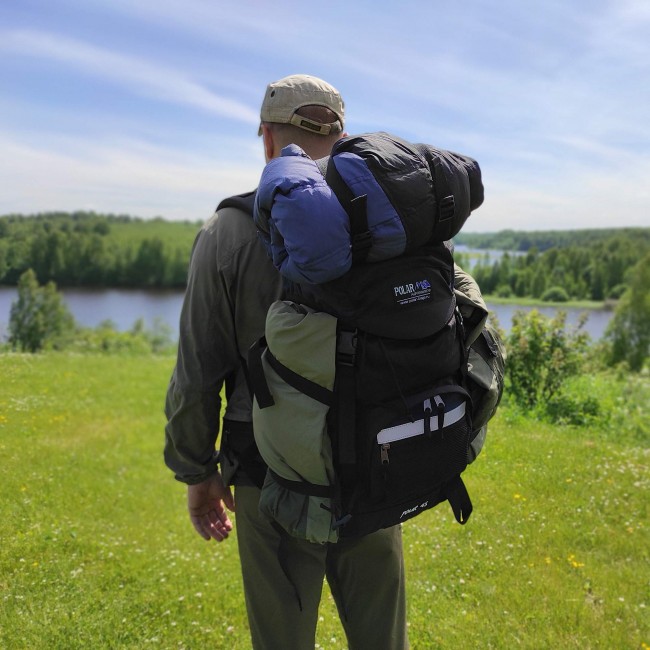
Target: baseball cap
{"x":284,"y":97}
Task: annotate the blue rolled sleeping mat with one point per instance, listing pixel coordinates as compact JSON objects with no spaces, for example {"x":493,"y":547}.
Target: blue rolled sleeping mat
{"x":315,"y":222}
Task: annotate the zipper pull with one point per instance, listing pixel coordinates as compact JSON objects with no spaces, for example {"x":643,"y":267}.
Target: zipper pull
{"x":440,"y":407}
{"x":427,"y":417}
{"x":384,"y":453}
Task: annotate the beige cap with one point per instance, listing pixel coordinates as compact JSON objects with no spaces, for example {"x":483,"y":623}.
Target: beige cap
{"x":284,"y":97}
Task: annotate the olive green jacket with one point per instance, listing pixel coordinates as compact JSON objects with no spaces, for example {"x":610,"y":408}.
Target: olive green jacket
{"x":231,"y":284}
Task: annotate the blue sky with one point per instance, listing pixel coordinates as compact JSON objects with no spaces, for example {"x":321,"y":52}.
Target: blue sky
{"x":150,"y":108}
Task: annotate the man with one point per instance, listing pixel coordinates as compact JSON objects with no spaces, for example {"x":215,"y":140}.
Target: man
{"x":231,"y":284}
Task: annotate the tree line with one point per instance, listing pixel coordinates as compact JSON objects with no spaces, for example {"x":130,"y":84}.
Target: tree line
{"x":523,"y":240}
{"x":87,"y":249}
{"x":593,"y":266}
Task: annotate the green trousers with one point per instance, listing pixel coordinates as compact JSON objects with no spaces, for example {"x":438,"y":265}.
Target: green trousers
{"x":283,"y":582}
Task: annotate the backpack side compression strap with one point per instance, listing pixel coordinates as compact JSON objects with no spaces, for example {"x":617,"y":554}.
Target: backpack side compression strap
{"x":344,"y":432}
{"x":444,"y":195}
{"x":304,"y":385}
{"x":304,"y":487}
{"x":255,"y":376}
{"x":260,"y":387}
{"x":456,"y":493}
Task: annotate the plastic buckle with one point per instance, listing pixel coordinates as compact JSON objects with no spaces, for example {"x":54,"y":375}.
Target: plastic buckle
{"x":346,"y":348}
{"x":446,"y":208}
{"x":361,"y":243}
{"x":341,"y":522}
{"x":362,"y":240}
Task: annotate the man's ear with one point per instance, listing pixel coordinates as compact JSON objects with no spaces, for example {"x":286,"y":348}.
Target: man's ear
{"x":269,"y":144}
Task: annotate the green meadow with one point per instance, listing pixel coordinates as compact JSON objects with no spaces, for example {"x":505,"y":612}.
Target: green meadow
{"x":97,"y":551}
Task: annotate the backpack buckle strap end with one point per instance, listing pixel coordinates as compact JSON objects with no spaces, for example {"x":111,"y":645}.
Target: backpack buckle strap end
{"x":446,"y":208}
{"x":255,"y":375}
{"x":341,"y":522}
{"x":344,"y":431}
{"x":456,"y":493}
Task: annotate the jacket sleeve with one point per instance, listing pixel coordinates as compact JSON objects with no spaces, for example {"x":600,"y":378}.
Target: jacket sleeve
{"x":231,"y":283}
{"x":207,"y":356}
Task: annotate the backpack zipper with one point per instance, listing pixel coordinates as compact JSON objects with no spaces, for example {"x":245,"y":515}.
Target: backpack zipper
{"x":384,"y":453}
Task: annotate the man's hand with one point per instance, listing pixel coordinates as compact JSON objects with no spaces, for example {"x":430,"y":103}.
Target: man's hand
{"x":207,"y":503}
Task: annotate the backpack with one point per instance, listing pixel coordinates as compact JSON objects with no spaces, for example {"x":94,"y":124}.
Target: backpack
{"x":365,"y":397}
{"x":319,"y":489}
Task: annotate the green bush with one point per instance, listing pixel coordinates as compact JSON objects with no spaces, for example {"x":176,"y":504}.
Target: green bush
{"x":615,"y":293}
{"x":542,"y":355}
{"x":139,"y":339}
{"x":570,"y":409}
{"x":39,"y":318}
{"x":555,"y":294}
{"x":504,"y":291}
{"x":107,"y":339}
{"x":629,"y":330}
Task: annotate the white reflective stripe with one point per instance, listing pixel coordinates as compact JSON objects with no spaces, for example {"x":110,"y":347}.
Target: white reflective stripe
{"x":412,"y":429}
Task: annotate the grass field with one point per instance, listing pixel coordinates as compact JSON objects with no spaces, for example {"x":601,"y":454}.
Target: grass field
{"x":173,"y":234}
{"x":536,"y":302}
{"x":97,"y":551}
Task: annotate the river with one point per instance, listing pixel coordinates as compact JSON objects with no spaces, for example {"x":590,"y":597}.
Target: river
{"x":123,"y":307}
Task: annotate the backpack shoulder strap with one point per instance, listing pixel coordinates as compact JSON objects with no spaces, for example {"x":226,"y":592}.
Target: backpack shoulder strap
{"x":355,"y":207}
{"x":244,"y":202}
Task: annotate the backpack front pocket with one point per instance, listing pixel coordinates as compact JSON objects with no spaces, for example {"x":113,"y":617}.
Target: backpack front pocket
{"x":418,"y":454}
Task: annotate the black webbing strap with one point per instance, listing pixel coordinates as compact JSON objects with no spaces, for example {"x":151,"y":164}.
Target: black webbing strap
{"x":283,"y":558}
{"x":304,"y":385}
{"x":244,"y":202}
{"x":346,"y":350}
{"x":359,"y":232}
{"x":355,"y":206}
{"x":304,"y":487}
{"x":238,"y":445}
{"x":260,"y":387}
{"x":444,"y":195}
{"x":456,"y":493}
{"x":255,"y":375}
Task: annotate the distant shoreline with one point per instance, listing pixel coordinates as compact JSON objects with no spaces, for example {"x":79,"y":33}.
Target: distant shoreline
{"x":594,"y":305}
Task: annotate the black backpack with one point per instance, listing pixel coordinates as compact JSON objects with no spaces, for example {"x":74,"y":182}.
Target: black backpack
{"x":400,"y":417}
{"x":391,"y":430}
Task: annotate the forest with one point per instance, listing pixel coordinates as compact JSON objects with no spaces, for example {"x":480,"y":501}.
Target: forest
{"x":98,"y":250}
{"x":583,"y":265}
{"x":94,"y":250}
{"x":542,"y":240}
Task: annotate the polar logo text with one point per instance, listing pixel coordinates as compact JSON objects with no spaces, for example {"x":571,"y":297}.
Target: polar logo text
{"x":410,"y":511}
{"x":410,"y":292}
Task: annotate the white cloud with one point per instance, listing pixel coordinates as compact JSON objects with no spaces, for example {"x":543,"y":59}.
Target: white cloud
{"x":141,"y":77}
{"x":127,"y":177}
{"x":575,"y":197}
